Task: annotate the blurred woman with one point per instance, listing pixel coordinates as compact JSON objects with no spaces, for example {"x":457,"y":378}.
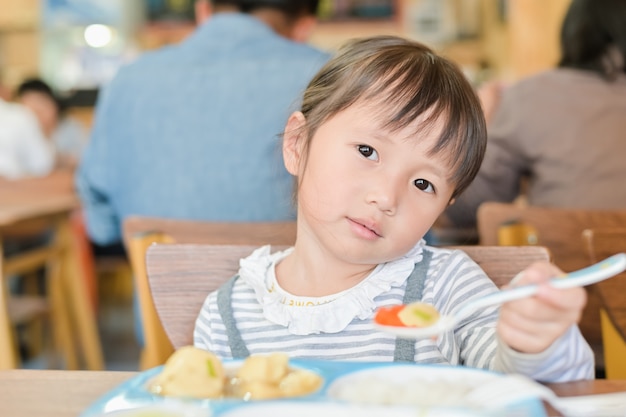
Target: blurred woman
{"x":563,"y":129}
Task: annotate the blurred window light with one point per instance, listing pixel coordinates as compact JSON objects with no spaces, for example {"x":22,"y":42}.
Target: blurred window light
{"x":98,"y":36}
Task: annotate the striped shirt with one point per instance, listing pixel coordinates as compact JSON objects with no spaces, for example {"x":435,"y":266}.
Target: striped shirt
{"x":452,"y":278}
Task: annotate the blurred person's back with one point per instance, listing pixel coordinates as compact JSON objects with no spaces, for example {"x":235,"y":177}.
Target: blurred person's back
{"x":562,"y":130}
{"x":193,"y":130}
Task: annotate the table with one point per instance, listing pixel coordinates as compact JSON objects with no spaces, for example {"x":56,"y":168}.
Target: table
{"x":49,"y":393}
{"x":36,"y":204}
{"x":52,"y":393}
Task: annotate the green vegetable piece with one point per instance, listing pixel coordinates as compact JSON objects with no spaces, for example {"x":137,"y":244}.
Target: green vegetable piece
{"x":211,"y":369}
{"x":422,"y":315}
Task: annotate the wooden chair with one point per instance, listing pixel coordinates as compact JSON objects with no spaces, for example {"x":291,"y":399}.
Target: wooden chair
{"x":602,"y":243}
{"x":42,"y":207}
{"x":141,"y":232}
{"x":33,"y":309}
{"x":559,"y":230}
{"x":181,"y":276}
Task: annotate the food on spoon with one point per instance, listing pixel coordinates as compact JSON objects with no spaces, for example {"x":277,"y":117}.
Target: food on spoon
{"x":195,"y":373}
{"x":410,"y":315}
{"x":388,"y":316}
{"x":418,"y":315}
{"x":190,"y":372}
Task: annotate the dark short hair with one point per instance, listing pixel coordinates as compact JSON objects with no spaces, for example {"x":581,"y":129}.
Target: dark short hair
{"x":226,"y":2}
{"x":406,"y":80}
{"x":39,"y":86}
{"x":292,"y":8}
{"x":589,"y":29}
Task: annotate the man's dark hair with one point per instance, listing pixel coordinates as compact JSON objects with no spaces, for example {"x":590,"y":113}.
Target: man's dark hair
{"x":292,"y":8}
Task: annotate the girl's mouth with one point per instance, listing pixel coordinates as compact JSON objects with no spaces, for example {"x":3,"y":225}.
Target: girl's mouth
{"x":364,"y":229}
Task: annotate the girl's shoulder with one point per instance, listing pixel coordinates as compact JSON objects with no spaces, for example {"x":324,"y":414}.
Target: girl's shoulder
{"x":448,"y":254}
{"x":450,"y":263}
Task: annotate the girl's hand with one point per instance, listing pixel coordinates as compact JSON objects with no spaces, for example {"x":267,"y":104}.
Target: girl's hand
{"x":531,"y":325}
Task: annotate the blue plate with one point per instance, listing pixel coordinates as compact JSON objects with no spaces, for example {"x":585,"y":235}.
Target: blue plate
{"x":331,"y":399}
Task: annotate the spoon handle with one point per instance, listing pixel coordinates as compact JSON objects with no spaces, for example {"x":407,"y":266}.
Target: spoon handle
{"x":595,"y":273}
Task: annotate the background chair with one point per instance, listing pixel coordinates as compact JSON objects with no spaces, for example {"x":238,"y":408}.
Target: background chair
{"x":35,"y":218}
{"x":602,"y":243}
{"x":559,"y":230}
{"x":181,"y":276}
{"x":141,"y":232}
{"x":30,"y":310}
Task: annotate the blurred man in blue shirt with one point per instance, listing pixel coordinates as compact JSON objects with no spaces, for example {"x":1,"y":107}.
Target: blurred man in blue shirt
{"x":193,"y":131}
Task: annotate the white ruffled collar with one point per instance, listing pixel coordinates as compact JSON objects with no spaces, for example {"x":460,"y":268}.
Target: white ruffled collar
{"x":329,"y":314}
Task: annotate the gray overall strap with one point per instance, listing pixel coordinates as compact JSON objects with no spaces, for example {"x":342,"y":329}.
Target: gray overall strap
{"x":224,"y":305}
{"x":405,"y":348}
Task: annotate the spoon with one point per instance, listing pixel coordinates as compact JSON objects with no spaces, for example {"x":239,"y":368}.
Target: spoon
{"x":595,"y":273}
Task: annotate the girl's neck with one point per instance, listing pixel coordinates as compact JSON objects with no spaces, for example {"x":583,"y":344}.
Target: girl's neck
{"x":310,"y":271}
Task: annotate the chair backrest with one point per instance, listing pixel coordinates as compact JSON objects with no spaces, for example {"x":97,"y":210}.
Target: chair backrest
{"x":141,"y":232}
{"x":559,"y":230}
{"x":602,"y":243}
{"x":194,"y":231}
{"x":181,"y":276}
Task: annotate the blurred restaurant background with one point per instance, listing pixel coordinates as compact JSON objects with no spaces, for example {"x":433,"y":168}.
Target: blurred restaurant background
{"x":77,"y":45}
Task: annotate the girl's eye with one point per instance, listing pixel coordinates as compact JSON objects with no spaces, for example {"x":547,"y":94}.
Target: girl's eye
{"x":424,"y":185}
{"x":368,"y":152}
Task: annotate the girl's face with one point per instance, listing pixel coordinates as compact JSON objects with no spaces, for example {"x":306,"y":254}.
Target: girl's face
{"x":366,"y":195}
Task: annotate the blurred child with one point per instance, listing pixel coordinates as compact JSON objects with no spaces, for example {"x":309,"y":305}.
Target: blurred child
{"x":388,"y":135}
{"x":24,"y":150}
{"x":68,"y":136}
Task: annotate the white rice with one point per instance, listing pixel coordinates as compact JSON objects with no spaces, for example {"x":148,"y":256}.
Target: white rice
{"x":411,"y":392}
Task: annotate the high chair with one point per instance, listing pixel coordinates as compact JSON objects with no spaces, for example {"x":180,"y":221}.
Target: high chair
{"x":141,"y":232}
{"x":182,"y":275}
{"x":602,"y":243}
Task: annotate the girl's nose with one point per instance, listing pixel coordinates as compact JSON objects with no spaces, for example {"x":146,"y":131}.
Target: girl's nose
{"x":384,"y":196}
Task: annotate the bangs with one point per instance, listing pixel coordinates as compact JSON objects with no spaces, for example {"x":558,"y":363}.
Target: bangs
{"x":433,"y":90}
{"x":405,"y":81}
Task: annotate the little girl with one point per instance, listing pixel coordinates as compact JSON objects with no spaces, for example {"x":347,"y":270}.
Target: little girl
{"x":388,"y":134}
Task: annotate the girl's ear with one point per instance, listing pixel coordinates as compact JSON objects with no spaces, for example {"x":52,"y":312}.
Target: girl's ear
{"x":452,"y":200}
{"x":293,"y":141}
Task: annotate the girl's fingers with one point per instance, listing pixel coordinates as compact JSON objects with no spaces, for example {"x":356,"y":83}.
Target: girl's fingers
{"x":562,"y":299}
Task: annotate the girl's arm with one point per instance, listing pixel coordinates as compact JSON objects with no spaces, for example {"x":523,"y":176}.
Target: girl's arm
{"x":565,"y":355}
{"x":539,"y":335}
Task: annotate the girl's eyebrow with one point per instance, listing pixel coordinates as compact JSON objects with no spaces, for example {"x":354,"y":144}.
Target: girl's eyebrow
{"x":432,"y":163}
{"x":441,"y":168}
{"x":380,"y":135}
{"x":438,"y":170}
